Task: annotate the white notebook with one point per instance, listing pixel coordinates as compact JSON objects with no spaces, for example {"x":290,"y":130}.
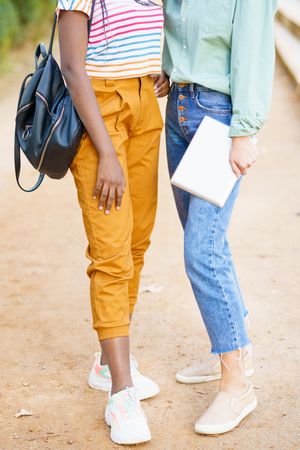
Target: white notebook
{"x":205,"y":170}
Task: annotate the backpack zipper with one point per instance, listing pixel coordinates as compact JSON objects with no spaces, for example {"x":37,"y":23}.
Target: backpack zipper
{"x":25,"y":107}
{"x":49,"y":137}
{"x":45,"y":102}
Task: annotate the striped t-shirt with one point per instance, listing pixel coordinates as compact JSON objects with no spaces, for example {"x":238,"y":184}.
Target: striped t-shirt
{"x":125,"y":38}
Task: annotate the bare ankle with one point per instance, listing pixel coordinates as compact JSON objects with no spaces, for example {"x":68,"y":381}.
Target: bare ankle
{"x":103,"y":361}
{"x":234,"y":386}
{"x":118,"y":388}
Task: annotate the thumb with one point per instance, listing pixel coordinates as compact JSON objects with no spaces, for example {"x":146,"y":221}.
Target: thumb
{"x":235,"y":169}
{"x":154,"y":77}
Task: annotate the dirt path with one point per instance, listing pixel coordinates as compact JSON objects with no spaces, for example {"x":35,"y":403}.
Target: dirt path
{"x":46,"y":339}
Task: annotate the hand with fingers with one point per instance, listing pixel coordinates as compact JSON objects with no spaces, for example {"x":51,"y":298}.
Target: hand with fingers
{"x":110,"y":185}
{"x":243,"y":155}
{"x":161,"y":84}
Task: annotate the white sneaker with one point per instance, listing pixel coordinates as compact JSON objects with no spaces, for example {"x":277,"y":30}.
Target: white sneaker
{"x":210,"y":369}
{"x":126,"y":418}
{"x":100,"y":378}
{"x":226,"y":412}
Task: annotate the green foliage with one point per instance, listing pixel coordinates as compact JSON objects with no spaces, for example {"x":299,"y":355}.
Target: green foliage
{"x":31,"y":11}
{"x":9,"y":22}
{"x":20,"y":19}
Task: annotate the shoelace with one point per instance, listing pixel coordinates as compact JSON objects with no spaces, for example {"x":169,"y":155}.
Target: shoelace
{"x":128,"y":402}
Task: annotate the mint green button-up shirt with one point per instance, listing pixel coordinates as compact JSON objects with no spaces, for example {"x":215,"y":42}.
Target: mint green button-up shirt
{"x":227,"y":46}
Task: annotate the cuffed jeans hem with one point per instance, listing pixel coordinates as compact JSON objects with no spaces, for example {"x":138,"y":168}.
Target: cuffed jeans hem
{"x":246,"y":313}
{"x":230,"y":349}
{"x":110,"y":333}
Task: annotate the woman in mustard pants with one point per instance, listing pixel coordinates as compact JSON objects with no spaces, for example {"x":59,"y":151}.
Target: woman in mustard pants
{"x":113,"y":79}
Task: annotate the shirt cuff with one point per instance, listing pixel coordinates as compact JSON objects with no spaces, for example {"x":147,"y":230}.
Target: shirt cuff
{"x":245,"y":126}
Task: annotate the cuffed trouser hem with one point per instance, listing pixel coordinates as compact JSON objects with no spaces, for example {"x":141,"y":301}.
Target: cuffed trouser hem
{"x":110,"y":333}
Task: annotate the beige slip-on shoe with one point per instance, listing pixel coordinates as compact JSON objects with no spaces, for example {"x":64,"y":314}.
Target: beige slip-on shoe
{"x":210,"y":369}
{"x":226,"y":412}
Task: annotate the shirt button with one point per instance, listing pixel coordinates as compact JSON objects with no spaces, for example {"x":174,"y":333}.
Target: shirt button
{"x":174,"y":70}
{"x":184,"y":46}
{"x":183,"y":19}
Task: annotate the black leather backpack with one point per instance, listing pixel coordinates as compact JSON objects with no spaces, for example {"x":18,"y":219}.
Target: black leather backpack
{"x":48,"y":129}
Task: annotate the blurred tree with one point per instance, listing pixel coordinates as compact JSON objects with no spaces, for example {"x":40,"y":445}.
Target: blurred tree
{"x":31,"y":11}
{"x":9,"y":22}
{"x":29,"y":16}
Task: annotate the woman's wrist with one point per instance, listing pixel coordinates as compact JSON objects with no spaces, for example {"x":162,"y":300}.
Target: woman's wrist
{"x":103,"y":142}
{"x":106,"y":151}
{"x":241,"y":138}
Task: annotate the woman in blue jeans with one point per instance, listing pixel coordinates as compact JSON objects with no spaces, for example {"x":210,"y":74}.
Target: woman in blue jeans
{"x":220,"y":59}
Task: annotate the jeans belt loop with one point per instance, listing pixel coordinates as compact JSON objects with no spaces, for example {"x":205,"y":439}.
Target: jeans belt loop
{"x":192,"y":91}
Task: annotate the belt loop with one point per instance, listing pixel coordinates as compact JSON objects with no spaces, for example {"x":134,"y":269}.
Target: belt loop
{"x":192,"y":92}
{"x":109,"y":83}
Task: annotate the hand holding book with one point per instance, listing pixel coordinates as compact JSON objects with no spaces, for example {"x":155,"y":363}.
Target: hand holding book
{"x":243,"y":154}
{"x":213,"y":161}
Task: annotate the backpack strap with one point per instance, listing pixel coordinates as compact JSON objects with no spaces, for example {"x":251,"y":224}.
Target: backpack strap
{"x":91,"y":17}
{"x":18,"y":168}
{"x":17,"y":153}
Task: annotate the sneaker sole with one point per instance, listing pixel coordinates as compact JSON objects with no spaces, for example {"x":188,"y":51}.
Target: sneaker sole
{"x":107,"y":387}
{"x":224,"y":428}
{"x":121,"y":441}
{"x":205,"y":378}
{"x":146,"y":397}
{"x":99,"y":387}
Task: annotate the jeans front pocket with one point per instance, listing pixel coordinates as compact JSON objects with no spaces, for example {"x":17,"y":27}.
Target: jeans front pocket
{"x":213,"y":102}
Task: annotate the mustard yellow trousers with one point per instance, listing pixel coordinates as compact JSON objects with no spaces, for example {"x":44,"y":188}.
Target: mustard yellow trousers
{"x":118,"y":241}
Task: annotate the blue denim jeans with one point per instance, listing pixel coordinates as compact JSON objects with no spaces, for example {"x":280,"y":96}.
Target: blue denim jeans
{"x":208,"y":259}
